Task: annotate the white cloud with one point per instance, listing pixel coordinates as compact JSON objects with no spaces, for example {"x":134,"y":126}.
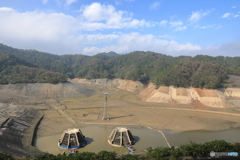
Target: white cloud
{"x":59,"y":33}
{"x":99,"y":12}
{"x":6,"y":9}
{"x":180,"y":28}
{"x":69,"y":2}
{"x":196,"y":16}
{"x":163,"y":23}
{"x":134,"y":41}
{"x":176,"y":23}
{"x":166,"y":36}
{"x":204,"y":27}
{"x":126,"y":43}
{"x":98,"y":16}
{"x":56,"y":32}
{"x":225,"y":49}
{"x":37,"y":30}
{"x":218,"y":27}
{"x":96,"y":38}
{"x":118,"y":2}
{"x":155,"y":5}
{"x":44,"y":1}
{"x":226,"y":15}
{"x":234,"y":7}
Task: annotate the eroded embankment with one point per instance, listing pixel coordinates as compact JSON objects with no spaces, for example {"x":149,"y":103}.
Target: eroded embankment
{"x":17,"y":127}
{"x":127,"y":85}
{"x":196,"y":97}
{"x":30,"y":93}
{"x":35,"y":93}
{"x":219,"y":98}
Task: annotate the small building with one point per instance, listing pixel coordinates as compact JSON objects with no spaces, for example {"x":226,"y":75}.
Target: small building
{"x":121,"y":137}
{"x":72,"y":139}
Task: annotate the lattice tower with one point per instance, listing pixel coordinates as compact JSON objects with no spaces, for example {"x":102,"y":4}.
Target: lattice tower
{"x":105,"y":112}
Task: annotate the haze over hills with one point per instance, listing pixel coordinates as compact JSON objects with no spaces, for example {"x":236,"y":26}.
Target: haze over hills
{"x":200,"y":71}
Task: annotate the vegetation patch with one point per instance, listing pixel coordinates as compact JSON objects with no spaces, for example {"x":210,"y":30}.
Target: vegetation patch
{"x":15,"y":70}
{"x":188,"y":151}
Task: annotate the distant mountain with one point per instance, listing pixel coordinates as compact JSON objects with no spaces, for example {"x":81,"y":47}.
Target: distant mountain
{"x":183,"y":71}
{"x":110,"y":54}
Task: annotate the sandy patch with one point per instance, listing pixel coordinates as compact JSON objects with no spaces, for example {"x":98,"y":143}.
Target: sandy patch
{"x":206,"y":92}
{"x":181,"y":92}
{"x":163,"y":89}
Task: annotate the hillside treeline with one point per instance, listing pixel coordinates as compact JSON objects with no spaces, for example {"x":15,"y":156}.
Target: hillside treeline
{"x":16,"y":70}
{"x":183,"y":71}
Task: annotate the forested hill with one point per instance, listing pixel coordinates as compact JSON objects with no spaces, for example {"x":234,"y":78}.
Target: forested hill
{"x":16,"y":70}
{"x":183,"y":71}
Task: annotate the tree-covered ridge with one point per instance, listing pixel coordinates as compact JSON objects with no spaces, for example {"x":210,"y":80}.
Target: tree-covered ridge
{"x":110,"y":54}
{"x":230,"y":63}
{"x":16,"y":70}
{"x":183,"y":71}
{"x":196,"y":74}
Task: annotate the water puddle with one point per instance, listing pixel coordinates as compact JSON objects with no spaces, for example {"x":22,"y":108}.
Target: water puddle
{"x":201,"y":136}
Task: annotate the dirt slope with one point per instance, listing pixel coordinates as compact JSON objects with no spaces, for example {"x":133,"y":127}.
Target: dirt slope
{"x":127,"y":85}
{"x":35,"y":93}
{"x":219,"y":98}
{"x":210,"y":97}
{"x":17,"y":124}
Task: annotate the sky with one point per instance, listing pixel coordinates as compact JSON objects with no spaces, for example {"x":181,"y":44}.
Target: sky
{"x":171,"y":27}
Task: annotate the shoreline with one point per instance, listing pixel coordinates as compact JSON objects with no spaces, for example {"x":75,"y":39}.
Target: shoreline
{"x":30,"y":135}
{"x":168,"y":136}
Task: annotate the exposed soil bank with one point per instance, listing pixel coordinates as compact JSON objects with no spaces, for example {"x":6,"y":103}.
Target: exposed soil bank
{"x":36,"y":93}
{"x":219,"y":98}
{"x":17,"y":128}
{"x":126,"y":85}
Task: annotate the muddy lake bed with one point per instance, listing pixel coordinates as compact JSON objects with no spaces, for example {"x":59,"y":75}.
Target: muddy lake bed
{"x":97,"y":135}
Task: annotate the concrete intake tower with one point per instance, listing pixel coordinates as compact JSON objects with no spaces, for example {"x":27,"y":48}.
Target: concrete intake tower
{"x":121,"y":137}
{"x":72,"y":139}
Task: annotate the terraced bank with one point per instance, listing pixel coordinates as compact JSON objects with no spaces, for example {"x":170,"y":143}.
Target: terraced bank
{"x":17,"y":126}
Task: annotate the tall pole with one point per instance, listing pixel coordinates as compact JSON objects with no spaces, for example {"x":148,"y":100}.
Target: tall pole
{"x":105,"y":113}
